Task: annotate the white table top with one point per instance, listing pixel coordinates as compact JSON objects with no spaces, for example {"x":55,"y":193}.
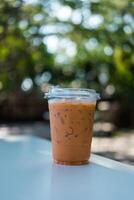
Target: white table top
{"x":27,"y":173}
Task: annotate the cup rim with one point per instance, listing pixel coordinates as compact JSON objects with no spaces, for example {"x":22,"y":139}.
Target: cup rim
{"x":60,"y":92}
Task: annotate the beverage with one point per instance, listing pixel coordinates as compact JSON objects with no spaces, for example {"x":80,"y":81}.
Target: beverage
{"x":71,"y":121}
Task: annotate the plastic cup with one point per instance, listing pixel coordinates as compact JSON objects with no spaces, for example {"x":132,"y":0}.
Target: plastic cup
{"x":71,"y":121}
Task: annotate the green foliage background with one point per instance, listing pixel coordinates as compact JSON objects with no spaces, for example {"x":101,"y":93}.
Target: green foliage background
{"x":104,"y":54}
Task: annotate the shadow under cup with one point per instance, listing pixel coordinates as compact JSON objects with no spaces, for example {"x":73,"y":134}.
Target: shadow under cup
{"x":71,"y":122}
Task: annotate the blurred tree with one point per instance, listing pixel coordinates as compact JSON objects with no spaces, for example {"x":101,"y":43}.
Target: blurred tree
{"x":94,"y":38}
{"x":22,"y":52}
{"x":76,"y":43}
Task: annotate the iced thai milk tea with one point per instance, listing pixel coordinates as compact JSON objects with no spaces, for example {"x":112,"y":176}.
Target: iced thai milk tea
{"x":71,"y":122}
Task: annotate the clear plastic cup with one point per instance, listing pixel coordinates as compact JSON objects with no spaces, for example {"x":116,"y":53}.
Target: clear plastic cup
{"x":71,"y":121}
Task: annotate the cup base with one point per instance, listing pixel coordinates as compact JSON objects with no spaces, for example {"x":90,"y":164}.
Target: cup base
{"x":71,"y":163}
